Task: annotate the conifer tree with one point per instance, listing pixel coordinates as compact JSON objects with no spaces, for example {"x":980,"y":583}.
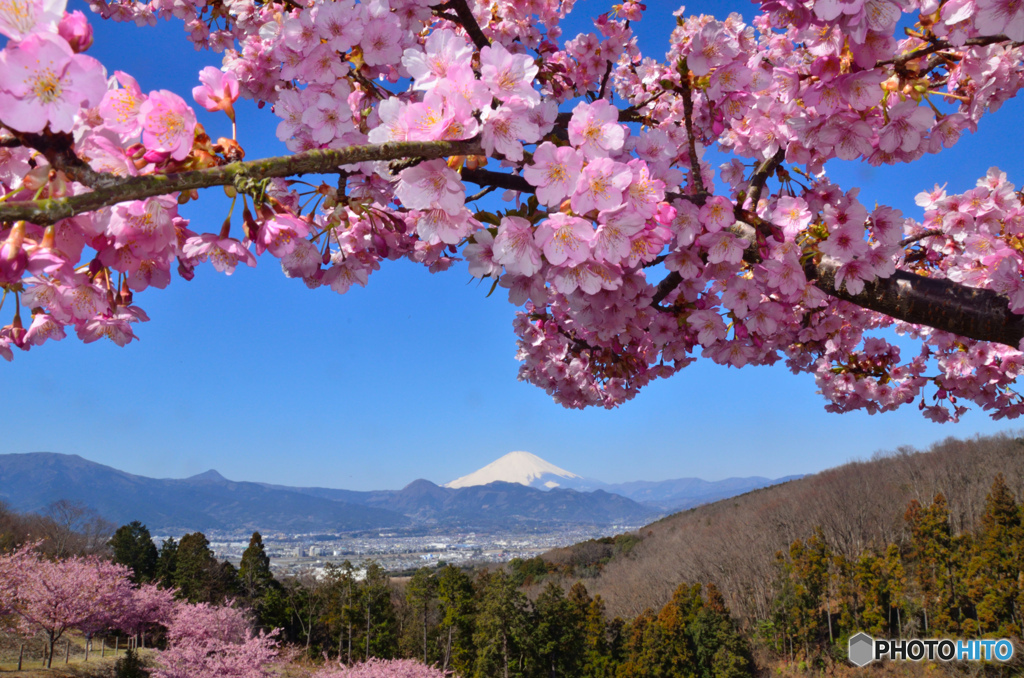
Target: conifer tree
{"x":167,"y":562}
{"x":254,"y":573}
{"x":557,"y":639}
{"x":455,"y":599}
{"x":198,"y":576}
{"x":133,"y":546}
{"x":380,"y":631}
{"x":501,"y":627}
{"x":420,"y":593}
{"x":341,"y":615}
{"x":994,"y":570}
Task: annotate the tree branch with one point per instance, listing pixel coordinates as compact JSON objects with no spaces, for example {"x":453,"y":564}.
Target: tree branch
{"x":468,"y":21}
{"x":761,"y":174}
{"x":900,"y":63}
{"x":920,"y":236}
{"x":511,"y":182}
{"x":695,"y":175}
{"x":604,"y":80}
{"x":934,"y":302}
{"x":44,"y":212}
{"x":665,"y":287}
{"x":58,"y":149}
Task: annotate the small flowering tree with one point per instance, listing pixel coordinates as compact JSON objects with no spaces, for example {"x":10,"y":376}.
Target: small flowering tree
{"x":206,"y":640}
{"x":383,"y":668}
{"x":148,"y":606}
{"x":52,"y":597}
{"x":629,"y":257}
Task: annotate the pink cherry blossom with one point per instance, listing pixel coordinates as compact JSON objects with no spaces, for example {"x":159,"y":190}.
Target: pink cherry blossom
{"x":44,"y":83}
{"x":76,"y":30}
{"x":564,"y":239}
{"x":708,"y":325}
{"x":378,"y":41}
{"x":224,"y":253}
{"x":555,"y":172}
{"x":431,"y":183}
{"x":280,"y":234}
{"x":717,"y":213}
{"x":480,"y":255}
{"x":20,"y":18}
{"x":515,"y":248}
{"x":595,"y":129}
{"x":218,"y":92}
{"x":168,"y":124}
{"x":120,"y":107}
{"x":508,"y":76}
{"x":996,"y":17}
{"x":601,"y":186}
{"x":443,"y":53}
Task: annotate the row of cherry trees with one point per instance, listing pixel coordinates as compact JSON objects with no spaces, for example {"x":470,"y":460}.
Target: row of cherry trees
{"x":89,"y":595}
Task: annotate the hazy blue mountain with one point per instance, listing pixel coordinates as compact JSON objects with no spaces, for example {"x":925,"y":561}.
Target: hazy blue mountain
{"x":495,"y":504}
{"x":208,"y":501}
{"x":684,"y":493}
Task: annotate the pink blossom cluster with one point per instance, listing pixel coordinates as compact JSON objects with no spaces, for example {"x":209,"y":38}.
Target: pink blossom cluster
{"x":630,"y":255}
{"x":91,"y":595}
{"x":211,"y":640}
{"x":85,"y":594}
{"x":383,"y":668}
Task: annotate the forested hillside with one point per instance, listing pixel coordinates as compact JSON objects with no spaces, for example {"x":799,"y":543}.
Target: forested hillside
{"x":857,"y":506}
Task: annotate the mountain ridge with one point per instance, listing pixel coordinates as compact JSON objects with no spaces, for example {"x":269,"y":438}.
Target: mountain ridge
{"x":209,"y":501}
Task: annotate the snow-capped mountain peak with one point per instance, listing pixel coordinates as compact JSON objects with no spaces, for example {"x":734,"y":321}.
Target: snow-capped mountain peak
{"x":523,"y":468}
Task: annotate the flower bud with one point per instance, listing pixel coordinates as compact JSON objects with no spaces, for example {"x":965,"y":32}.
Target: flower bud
{"x":75,"y":28}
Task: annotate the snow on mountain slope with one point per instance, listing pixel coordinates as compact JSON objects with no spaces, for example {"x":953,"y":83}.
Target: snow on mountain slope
{"x":523,"y":468}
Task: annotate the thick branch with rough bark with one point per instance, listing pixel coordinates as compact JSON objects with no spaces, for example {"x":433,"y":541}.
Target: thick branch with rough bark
{"x":44,"y":212}
{"x":939,"y":303}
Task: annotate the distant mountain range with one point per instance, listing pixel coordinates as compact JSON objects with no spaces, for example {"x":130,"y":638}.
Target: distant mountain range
{"x":518,"y":490}
{"x":667,"y":495}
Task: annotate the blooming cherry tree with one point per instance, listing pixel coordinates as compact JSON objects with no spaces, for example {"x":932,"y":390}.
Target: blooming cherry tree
{"x":630,"y":256}
{"x":210,"y":640}
{"x":52,"y":597}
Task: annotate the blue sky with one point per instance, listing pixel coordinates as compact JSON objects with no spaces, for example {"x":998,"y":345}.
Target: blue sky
{"x":415,"y":376}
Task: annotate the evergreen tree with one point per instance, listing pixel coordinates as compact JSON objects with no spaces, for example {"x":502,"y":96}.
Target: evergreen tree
{"x":341,"y":615}
{"x":420,"y":594}
{"x":133,"y":546}
{"x":931,"y":554}
{"x":198,"y":576}
{"x":557,"y":639}
{"x":598,"y":660}
{"x":994,"y":571}
{"x":674,"y":645}
{"x":455,"y":599}
{"x":254,"y":573}
{"x":379,"y":625}
{"x":722,"y":652}
{"x":167,"y":562}
{"x":501,"y":627}
{"x":193,"y":571}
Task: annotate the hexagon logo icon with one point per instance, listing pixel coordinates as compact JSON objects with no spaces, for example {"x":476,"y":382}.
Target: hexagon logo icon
{"x":861,"y":649}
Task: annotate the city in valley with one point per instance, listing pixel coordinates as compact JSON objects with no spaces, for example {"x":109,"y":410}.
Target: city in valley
{"x":399,"y":551}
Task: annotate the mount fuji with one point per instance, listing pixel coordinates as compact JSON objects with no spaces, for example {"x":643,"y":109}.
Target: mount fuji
{"x":527,"y":469}
{"x":676,"y":494}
